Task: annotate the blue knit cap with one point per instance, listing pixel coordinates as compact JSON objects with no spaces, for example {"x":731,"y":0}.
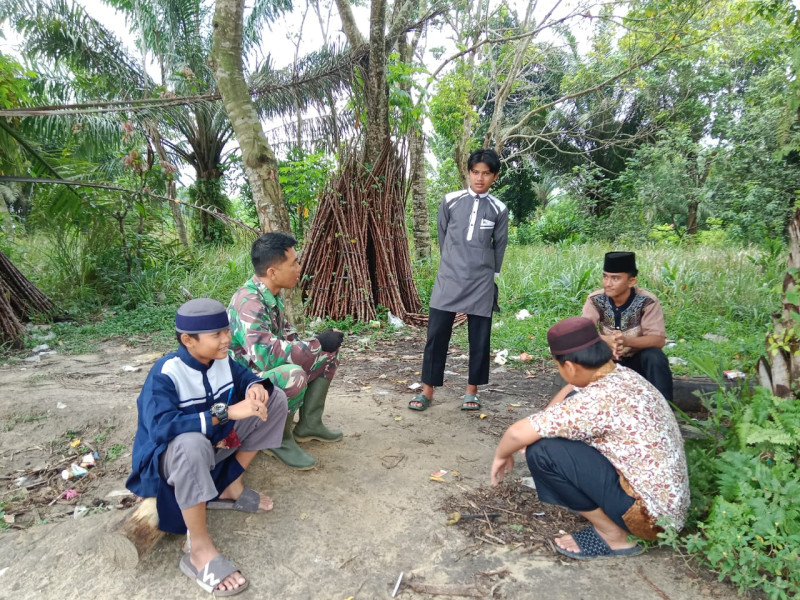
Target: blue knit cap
{"x":201,"y":315}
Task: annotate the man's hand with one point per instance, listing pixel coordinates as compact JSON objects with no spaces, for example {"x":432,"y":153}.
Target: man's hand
{"x":615,"y":341}
{"x":330,"y":340}
{"x":500,"y":468}
{"x":251,"y":406}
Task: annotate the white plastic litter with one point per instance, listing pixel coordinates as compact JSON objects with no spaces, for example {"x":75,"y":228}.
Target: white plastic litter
{"x":501,"y":357}
{"x":528,"y":482}
{"x":415,"y":386}
{"x":523,"y":314}
{"x":61,"y":405}
{"x":130,"y":369}
{"x":395,"y":321}
{"x":677,"y":360}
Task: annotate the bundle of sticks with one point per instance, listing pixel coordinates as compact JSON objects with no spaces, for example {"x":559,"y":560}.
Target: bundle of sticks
{"x":357,"y":255}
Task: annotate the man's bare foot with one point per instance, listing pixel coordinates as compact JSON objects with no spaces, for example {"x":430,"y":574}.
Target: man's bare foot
{"x":567,"y":542}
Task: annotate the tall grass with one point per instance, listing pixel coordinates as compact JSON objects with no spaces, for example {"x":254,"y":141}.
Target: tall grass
{"x":727,"y":292}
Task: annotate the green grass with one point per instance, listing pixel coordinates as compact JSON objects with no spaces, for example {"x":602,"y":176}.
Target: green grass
{"x":729,"y":292}
{"x":15,"y":419}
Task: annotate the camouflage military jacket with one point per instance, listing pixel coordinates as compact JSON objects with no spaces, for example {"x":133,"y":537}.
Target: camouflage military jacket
{"x":261,"y":336}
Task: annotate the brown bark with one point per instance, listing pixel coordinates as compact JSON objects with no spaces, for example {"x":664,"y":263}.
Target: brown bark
{"x":19,"y":301}
{"x":180,"y":227}
{"x":419,"y":195}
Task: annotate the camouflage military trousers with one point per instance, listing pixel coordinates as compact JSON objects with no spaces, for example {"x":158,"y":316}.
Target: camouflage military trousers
{"x":294,"y":379}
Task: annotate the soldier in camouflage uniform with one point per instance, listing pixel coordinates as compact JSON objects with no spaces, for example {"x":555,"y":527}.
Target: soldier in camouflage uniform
{"x":265,"y":341}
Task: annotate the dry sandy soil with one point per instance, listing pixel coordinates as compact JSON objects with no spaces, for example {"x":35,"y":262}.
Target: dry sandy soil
{"x":346,"y":529}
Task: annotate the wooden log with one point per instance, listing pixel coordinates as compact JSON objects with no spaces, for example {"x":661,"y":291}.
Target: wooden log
{"x":134,"y":536}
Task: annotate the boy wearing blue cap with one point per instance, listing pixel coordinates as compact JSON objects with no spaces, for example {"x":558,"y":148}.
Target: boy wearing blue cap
{"x":202,"y":420}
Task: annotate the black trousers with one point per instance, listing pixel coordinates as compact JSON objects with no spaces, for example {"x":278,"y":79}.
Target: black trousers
{"x":575,"y":475}
{"x":440,"y":328}
{"x":653,"y":365}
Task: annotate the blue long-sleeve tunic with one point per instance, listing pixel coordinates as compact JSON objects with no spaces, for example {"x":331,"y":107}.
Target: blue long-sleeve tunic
{"x":176,"y":398}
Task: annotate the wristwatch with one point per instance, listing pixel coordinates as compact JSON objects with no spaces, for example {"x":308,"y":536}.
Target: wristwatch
{"x":220,"y":410}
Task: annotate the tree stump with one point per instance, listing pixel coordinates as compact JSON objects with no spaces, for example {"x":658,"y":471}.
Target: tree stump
{"x":134,"y":536}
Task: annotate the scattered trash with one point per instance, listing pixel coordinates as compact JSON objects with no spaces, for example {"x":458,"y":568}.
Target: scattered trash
{"x":538,"y":514}
{"x":375,"y":324}
{"x":397,"y":585}
{"x":516,"y":404}
{"x":671,"y":344}
{"x":501,"y":357}
{"x":75,"y":470}
{"x":130,"y":369}
{"x":21,"y":481}
{"x":70,"y":494}
{"x":482,"y":416}
{"x":395,"y":321}
{"x":523,"y":314}
{"x":415,"y":386}
{"x":41,"y":348}
{"x":4,"y":569}
{"x":79,"y":512}
{"x":497,"y":324}
{"x":75,"y":443}
{"x":383,"y":393}
{"x":524,"y":357}
{"x":677,"y":360}
{"x":450,"y":373}
{"x":315,"y":323}
{"x":398,"y":418}
{"x":88,"y":460}
{"x":118,"y":493}
{"x":713,"y":337}
{"x":61,"y":405}
{"x":734,"y":375}
{"x":528,"y":482}
{"x":443,"y":475}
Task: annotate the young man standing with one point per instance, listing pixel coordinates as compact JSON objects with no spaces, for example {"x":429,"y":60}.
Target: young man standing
{"x":264,"y":341}
{"x":631,"y":321}
{"x":473,"y":233}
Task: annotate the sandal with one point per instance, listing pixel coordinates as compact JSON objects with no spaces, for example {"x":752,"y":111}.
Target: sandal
{"x":592,"y":546}
{"x":210,"y":576}
{"x":422,"y":399}
{"x":470,"y":402}
{"x":248,"y":502}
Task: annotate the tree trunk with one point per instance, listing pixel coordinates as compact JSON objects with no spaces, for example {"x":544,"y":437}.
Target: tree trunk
{"x":419,"y":194}
{"x":19,"y":301}
{"x":779,"y":370}
{"x":180,"y":227}
{"x":377,"y":91}
{"x":133,"y":537}
{"x":259,"y":161}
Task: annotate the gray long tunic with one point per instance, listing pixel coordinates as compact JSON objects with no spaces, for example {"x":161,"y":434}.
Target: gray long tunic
{"x":473,"y":233}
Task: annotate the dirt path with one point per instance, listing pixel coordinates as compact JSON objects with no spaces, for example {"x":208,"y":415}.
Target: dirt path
{"x":345,"y":529}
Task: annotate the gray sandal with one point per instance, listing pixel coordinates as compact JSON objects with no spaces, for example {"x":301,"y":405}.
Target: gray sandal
{"x":210,"y":576}
{"x":247,"y":502}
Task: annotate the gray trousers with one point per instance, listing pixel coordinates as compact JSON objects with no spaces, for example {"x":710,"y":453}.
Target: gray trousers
{"x":189,"y":458}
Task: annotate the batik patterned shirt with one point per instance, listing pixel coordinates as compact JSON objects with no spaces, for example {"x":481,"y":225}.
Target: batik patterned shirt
{"x":628,"y":421}
{"x":639,"y":315}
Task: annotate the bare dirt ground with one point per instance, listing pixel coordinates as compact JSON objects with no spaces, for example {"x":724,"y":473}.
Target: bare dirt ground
{"x":346,"y":529}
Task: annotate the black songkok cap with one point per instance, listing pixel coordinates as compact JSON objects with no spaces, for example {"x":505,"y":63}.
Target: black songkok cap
{"x":571,"y":335}
{"x":201,"y":315}
{"x":620,"y":262}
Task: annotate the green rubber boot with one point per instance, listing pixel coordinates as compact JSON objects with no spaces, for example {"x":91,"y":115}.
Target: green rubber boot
{"x":310,"y":426}
{"x":290,"y":454}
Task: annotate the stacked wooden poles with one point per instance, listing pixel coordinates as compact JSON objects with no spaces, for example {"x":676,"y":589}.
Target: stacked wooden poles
{"x":357,"y":255}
